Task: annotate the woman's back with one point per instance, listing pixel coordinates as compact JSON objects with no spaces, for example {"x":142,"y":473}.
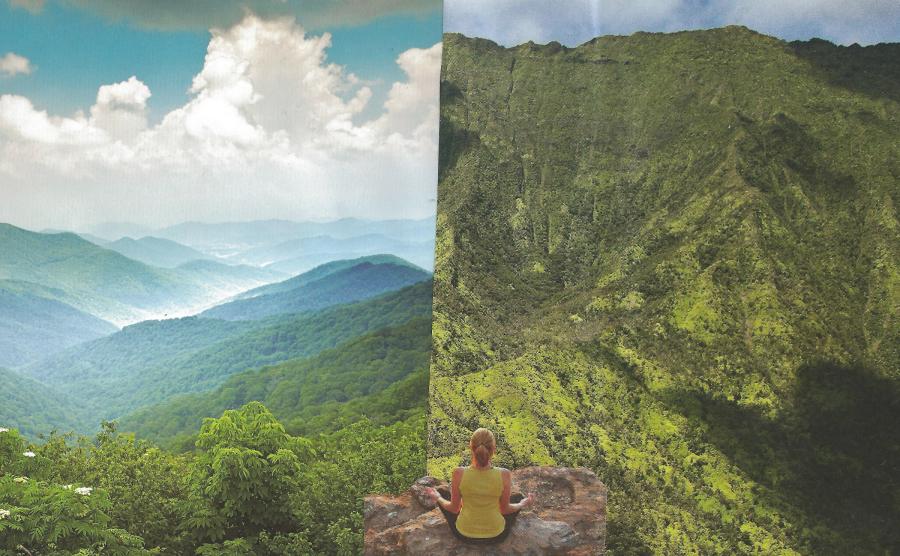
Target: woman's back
{"x":480,"y":515}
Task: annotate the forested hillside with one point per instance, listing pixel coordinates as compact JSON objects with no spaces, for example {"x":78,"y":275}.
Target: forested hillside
{"x":150,"y":362}
{"x":311,"y":395}
{"x":346,"y":285}
{"x":92,"y":279}
{"x":34,"y":323}
{"x":34,"y":407}
{"x":339,"y":352}
{"x":673,"y":258}
{"x":230,"y":478}
{"x":319,"y":272}
{"x":110,"y":286}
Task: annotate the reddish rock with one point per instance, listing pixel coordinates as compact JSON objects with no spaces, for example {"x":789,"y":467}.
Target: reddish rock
{"x":569,"y":519}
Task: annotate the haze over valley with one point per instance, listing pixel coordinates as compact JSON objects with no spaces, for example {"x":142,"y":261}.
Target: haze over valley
{"x":96,"y":324}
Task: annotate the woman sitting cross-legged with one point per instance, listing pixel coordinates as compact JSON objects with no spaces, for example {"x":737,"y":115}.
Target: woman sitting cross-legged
{"x":480,"y":508}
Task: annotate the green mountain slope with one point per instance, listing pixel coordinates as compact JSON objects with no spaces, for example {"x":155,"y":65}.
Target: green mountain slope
{"x":153,"y":361}
{"x":355,"y":283}
{"x":156,"y":251}
{"x":95,"y":280}
{"x":34,"y":408}
{"x":674,"y":258}
{"x":318,"y":272}
{"x":381,"y":375}
{"x":33,"y":324}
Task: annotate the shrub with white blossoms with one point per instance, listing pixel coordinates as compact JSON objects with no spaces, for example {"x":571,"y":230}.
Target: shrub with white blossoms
{"x":4,"y":514}
{"x":2,"y":429}
{"x":29,"y":454}
{"x":20,"y":480}
{"x":84,"y":491}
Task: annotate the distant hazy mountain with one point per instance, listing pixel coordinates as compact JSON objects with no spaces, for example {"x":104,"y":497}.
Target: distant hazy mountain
{"x":320,"y":272}
{"x":95,"y":280}
{"x":35,"y":324}
{"x":112,"y":231}
{"x":32,"y":407}
{"x":96,"y":240}
{"x":368,"y":244}
{"x":156,"y":251}
{"x":152,"y":361}
{"x":234,"y":237}
{"x":358,"y":282}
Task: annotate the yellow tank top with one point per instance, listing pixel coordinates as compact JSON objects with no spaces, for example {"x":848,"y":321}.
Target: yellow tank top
{"x":480,"y":517}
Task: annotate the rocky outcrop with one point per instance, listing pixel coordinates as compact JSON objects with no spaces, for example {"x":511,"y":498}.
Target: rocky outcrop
{"x":569,"y":518}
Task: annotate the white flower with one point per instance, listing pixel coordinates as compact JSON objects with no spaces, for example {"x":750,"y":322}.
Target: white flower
{"x":4,"y":514}
{"x":29,"y":454}
{"x":67,"y":487}
{"x":84,"y":491}
{"x":2,"y":429}
{"x":21,"y":479}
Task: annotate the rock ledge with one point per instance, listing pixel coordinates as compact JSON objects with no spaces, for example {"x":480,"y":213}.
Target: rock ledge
{"x":569,"y":519}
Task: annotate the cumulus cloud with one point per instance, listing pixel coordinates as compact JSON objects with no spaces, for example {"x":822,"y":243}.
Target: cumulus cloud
{"x":202,"y":14}
{"x":411,"y":113}
{"x":271,"y":130}
{"x":12,"y":64}
{"x":121,"y":108}
{"x":512,"y":22}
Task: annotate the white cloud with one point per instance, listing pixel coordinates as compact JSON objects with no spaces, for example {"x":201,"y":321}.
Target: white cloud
{"x":13,"y":64}
{"x":271,"y":130}
{"x":21,"y":121}
{"x":411,"y":112}
{"x":512,"y":22}
{"x":121,"y":108}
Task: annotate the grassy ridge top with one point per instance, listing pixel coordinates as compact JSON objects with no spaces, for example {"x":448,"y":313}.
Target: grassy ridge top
{"x":647,"y":242}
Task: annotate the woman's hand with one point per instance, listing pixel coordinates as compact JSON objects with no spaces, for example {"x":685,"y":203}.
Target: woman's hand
{"x":528,"y":501}
{"x":433,"y":494}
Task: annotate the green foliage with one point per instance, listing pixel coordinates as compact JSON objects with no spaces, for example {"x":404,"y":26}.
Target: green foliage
{"x":246,"y":470}
{"x":651,"y":264}
{"x":250,"y":488}
{"x":48,"y":518}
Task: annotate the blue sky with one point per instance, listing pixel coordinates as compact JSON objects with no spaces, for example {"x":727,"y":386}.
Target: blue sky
{"x":162,"y":111}
{"x":572,"y":22}
{"x":75,"y":50}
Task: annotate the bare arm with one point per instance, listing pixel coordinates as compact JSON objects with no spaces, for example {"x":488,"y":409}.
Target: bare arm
{"x":455,"y":503}
{"x":505,"y":506}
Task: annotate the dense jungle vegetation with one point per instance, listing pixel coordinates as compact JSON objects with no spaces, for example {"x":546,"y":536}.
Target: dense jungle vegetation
{"x":249,"y":488}
{"x":675,"y":259}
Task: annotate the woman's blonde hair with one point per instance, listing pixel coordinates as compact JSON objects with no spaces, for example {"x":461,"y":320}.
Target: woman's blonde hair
{"x":483,"y":445}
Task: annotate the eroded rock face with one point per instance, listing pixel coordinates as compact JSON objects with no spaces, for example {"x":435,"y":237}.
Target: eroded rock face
{"x":569,"y":518}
